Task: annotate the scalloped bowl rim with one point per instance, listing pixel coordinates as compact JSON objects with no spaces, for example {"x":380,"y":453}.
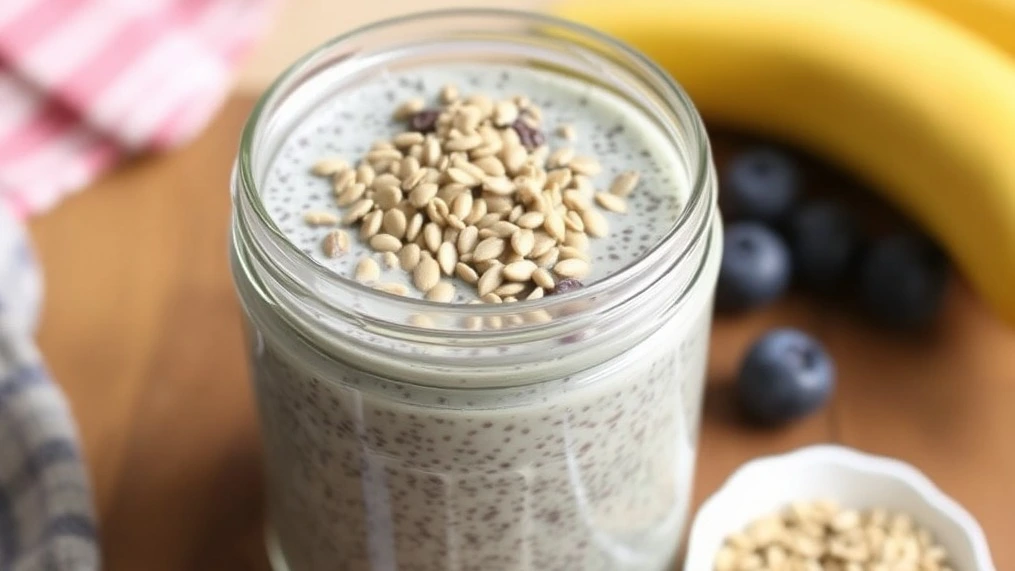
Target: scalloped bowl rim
{"x":703,"y":543}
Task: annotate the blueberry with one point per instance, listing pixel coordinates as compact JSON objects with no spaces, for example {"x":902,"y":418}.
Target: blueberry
{"x":786,"y":375}
{"x":903,"y":279}
{"x":824,"y":238}
{"x":760,"y":184}
{"x":755,"y":267}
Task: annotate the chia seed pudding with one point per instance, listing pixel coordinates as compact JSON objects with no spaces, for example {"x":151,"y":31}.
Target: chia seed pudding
{"x":563,"y":444}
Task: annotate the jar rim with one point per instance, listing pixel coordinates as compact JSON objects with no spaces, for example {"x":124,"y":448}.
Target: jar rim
{"x":698,"y":169}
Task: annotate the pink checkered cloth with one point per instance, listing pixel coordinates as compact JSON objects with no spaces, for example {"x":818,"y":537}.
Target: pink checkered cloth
{"x":85,"y":82}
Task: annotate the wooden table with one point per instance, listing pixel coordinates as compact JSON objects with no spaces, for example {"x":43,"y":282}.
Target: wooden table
{"x":142,"y":329}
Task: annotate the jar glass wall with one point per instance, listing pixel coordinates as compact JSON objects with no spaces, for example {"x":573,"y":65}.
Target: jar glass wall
{"x":557,"y":433}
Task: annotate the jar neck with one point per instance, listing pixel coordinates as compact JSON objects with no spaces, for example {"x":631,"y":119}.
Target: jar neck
{"x":547,"y":337}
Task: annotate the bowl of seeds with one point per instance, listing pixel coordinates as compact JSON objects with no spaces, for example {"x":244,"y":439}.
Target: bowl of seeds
{"x":830,"y":508}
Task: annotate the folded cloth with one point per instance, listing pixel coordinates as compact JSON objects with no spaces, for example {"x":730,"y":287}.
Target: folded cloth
{"x":82,"y":84}
{"x":46,"y":516}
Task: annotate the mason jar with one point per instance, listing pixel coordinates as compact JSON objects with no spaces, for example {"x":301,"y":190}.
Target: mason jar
{"x":555,"y":434}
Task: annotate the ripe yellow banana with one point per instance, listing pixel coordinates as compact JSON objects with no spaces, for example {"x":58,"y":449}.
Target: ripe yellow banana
{"x":921,"y":108}
{"x":992,"y":19}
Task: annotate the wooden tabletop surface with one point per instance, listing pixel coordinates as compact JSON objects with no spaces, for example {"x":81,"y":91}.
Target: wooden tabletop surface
{"x":141,"y":328}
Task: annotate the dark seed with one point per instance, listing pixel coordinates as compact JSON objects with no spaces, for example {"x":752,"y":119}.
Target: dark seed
{"x":566,"y":285}
{"x":530,"y":137}
{"x":425,"y":121}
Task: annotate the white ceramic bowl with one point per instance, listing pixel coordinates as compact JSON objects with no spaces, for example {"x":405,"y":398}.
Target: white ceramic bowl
{"x":853,"y":479}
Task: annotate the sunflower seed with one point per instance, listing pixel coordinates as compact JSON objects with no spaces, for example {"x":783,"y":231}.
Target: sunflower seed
{"x":498,"y":185}
{"x":543,"y":279}
{"x":408,"y":257}
{"x":426,"y":274}
{"x":455,"y":222}
{"x":407,"y":139}
{"x":365,"y":174}
{"x":491,"y":166}
{"x":519,"y":271}
{"x":504,"y":113}
{"x":328,"y":167}
{"x":611,"y":202}
{"x":443,"y":292}
{"x":466,"y":272}
{"x":478,"y":211}
{"x":499,"y":205}
{"x":467,"y":239}
{"x":335,"y":243}
{"x":461,"y":206}
{"x":388,"y":197}
{"x":463,"y":143}
{"x":595,"y":224}
{"x":571,"y":268}
{"x":371,"y":224}
{"x":449,"y":93}
{"x":549,"y":259}
{"x":542,"y":243}
{"x":358,"y":210}
{"x":554,"y":226}
{"x":578,"y":240}
{"x":394,"y":223}
{"x":409,"y":108}
{"x":509,"y":290}
{"x":342,"y":180}
{"x":452,"y":190}
{"x":573,"y":221}
{"x":530,"y":220}
{"x":422,"y":194}
{"x":488,"y":249}
{"x":432,"y":237}
{"x":383,"y":156}
{"x":470,"y":168}
{"x":320,"y":218}
{"x":585,"y":165}
{"x":466,"y":119}
{"x":491,"y":279}
{"x":560,"y":158}
{"x":416,"y":178}
{"x":447,"y":257}
{"x":367,"y":270}
{"x":503,"y":229}
{"x":385,"y":243}
{"x":351,"y":194}
{"x":624,"y":183}
{"x":460,"y":176}
{"x":431,"y":152}
{"x":414,"y":227}
{"x":569,"y":252}
{"x":574,"y":200}
{"x":523,"y":241}
{"x":488,"y":219}
{"x":515,"y":158}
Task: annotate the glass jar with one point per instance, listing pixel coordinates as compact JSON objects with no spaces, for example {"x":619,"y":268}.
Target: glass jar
{"x":552,"y":434}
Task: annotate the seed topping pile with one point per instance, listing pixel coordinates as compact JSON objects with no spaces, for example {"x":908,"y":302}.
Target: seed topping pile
{"x":821,"y":536}
{"x":472,"y":189}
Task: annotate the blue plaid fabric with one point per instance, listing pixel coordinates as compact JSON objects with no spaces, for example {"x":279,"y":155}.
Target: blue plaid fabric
{"x":47,"y":520}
